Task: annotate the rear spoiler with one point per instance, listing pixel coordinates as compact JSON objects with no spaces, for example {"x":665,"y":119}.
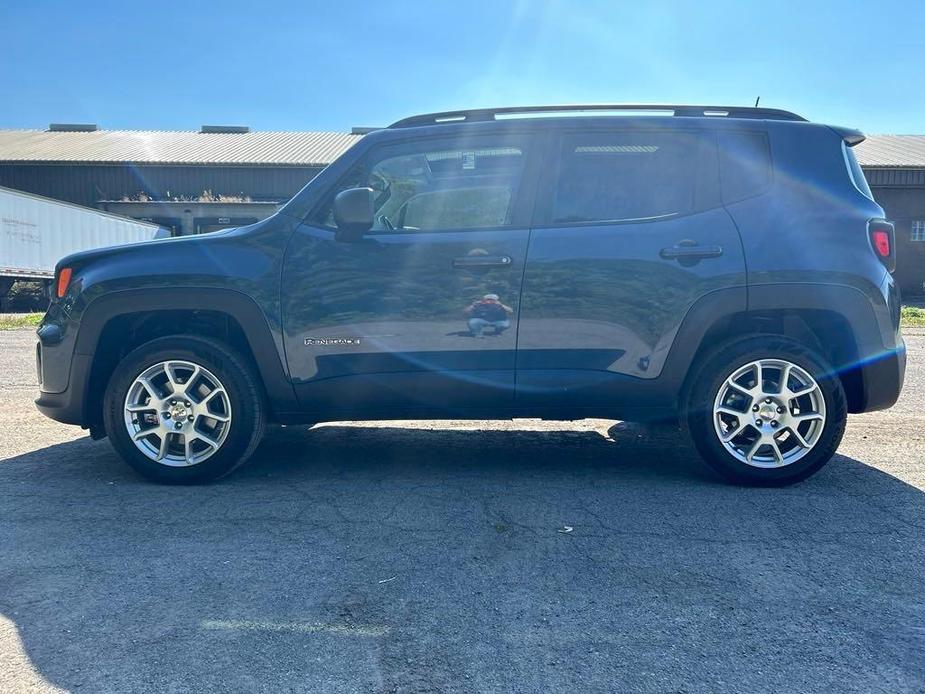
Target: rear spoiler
{"x":851,"y":136}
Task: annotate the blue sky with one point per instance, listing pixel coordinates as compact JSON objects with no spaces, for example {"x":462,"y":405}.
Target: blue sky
{"x":332,"y":65}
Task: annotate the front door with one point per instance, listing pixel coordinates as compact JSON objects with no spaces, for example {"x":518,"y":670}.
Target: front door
{"x":630,"y":233}
{"x":422,"y":313}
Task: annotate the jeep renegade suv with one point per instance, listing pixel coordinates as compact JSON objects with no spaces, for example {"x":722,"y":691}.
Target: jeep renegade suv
{"x":724,"y":266}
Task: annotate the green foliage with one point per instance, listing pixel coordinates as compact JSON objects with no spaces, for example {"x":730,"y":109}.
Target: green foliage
{"x":20,"y":320}
{"x":24,"y":295}
{"x":913,"y":316}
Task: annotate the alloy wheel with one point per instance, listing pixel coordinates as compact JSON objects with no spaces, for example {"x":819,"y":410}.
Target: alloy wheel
{"x":769,"y":413}
{"x":177,"y":413}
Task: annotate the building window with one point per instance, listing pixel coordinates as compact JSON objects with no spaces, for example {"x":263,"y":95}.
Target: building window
{"x":918,"y":230}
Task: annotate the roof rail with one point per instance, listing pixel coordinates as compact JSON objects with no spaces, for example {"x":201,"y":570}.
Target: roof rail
{"x":490,"y":114}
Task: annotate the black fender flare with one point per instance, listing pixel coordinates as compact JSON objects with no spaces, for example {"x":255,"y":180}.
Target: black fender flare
{"x":700,"y":318}
{"x":859,"y":310}
{"x":264,"y":341}
{"x":867,"y":317}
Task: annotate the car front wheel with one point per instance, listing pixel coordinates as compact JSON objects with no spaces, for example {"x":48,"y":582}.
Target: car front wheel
{"x":184,"y":410}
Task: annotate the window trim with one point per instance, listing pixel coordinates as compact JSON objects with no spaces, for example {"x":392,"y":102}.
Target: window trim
{"x":522,"y":203}
{"x":546,"y":189}
{"x":869,"y":194}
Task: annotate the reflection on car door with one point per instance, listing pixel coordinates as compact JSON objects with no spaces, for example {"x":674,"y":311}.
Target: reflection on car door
{"x":422,"y":312}
{"x":630,"y":234}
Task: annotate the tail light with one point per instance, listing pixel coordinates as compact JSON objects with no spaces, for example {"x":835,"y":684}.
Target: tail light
{"x":64,"y":279}
{"x":883,"y":241}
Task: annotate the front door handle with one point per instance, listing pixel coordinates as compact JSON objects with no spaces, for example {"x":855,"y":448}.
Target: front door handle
{"x":477,"y":261}
{"x":690,"y":250}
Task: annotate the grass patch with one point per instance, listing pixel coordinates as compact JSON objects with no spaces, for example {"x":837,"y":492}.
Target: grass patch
{"x":913,"y":317}
{"x":13,"y":321}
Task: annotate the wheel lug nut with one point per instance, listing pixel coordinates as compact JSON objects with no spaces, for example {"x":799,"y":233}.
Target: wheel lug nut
{"x":780,"y":410}
{"x":187,"y":403}
{"x":166,"y":415}
{"x":774,"y":423}
{"x":755,"y":408}
{"x":757,"y":422}
{"x":173,"y":402}
{"x":178,"y":425}
{"x":768,"y":400}
{"x":190,"y":418}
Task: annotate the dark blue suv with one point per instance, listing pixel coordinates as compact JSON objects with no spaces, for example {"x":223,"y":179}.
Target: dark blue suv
{"x":725,"y":267}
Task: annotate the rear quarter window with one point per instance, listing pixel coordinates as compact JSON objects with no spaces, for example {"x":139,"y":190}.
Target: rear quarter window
{"x":744,"y":163}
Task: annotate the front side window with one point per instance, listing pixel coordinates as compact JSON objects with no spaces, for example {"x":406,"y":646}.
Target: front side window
{"x":436,"y":189}
{"x":917,"y":233}
{"x":633,"y":175}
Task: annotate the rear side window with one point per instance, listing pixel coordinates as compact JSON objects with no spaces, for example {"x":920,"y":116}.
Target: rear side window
{"x":633,"y":175}
{"x":745,"y":164}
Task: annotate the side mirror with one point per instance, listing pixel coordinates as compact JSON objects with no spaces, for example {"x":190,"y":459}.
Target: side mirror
{"x":353,"y":213}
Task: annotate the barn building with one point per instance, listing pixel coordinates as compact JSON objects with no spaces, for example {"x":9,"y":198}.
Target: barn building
{"x":189,"y":181}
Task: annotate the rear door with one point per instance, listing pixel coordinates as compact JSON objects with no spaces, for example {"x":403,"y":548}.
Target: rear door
{"x":390,"y":321}
{"x":630,"y":233}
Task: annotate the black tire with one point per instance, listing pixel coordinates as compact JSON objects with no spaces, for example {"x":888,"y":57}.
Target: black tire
{"x":239,"y":381}
{"x":713,"y":370}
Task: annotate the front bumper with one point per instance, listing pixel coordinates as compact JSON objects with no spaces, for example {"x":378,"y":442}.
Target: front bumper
{"x":67,"y":406}
{"x":62,"y":373}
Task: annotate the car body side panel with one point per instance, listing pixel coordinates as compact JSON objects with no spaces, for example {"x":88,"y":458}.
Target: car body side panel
{"x":602,"y":298}
{"x":395,"y":303}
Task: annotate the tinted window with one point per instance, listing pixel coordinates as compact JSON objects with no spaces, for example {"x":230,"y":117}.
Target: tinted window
{"x":745,"y":164}
{"x":620,"y":176}
{"x":467,"y":187}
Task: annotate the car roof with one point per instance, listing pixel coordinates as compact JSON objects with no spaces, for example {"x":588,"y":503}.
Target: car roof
{"x":676,"y":110}
{"x":533,"y":119}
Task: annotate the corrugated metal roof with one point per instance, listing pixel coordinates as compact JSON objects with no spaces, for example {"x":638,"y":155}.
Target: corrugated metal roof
{"x":887,"y":151}
{"x":175,"y":147}
{"x":289,"y":148}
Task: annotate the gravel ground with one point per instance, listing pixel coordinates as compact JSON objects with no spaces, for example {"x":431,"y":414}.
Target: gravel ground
{"x":434,"y":557}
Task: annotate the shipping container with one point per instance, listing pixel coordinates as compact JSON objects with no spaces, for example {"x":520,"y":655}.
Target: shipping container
{"x":36,"y":232}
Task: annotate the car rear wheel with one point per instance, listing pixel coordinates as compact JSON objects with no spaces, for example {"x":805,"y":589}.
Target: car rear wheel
{"x":184,"y":410}
{"x":766,"y":411}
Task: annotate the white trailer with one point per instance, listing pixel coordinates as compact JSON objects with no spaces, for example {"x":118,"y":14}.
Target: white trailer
{"x":36,"y":232}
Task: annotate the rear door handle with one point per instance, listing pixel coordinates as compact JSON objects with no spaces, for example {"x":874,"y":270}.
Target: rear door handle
{"x":475,"y":261}
{"x":690,"y":251}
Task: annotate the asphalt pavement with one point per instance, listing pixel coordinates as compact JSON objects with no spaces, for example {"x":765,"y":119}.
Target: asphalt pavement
{"x":521,"y":556}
